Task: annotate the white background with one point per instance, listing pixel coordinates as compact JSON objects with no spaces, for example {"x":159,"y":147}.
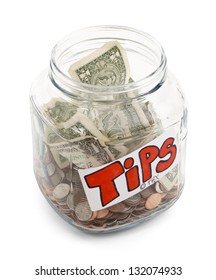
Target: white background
{"x":31,"y":232}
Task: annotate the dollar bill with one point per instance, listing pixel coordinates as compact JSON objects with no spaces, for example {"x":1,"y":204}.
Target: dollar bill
{"x":120,"y":121}
{"x":116,"y":151}
{"x":107,"y":66}
{"x":83,"y":153}
{"x":170,"y":179}
{"x":60,"y":110}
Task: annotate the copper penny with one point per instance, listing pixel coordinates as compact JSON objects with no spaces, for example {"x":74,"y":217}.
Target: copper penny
{"x":153,"y":201}
{"x":102,"y":213}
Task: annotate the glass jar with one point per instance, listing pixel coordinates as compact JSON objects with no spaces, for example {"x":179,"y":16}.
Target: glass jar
{"x":107,"y":154}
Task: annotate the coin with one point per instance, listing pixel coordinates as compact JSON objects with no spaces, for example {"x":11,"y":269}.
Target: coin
{"x":99,"y":222}
{"x":123,"y":216}
{"x":153,"y":201}
{"x":41,"y":173}
{"x":83,"y":211}
{"x":127,"y":208}
{"x":119,"y":207}
{"x":61,"y":191}
{"x":56,"y":179}
{"x":133,"y":200}
{"x":94,"y":215}
{"x":60,"y":172}
{"x":70,"y":201}
{"x":79,"y":196}
{"x":64,"y":206}
{"x":158,"y":187}
{"x":50,"y":169}
{"x":102,"y":213}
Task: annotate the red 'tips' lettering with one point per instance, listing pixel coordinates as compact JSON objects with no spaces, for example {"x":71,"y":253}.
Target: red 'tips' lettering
{"x":104,"y":179}
{"x":167,"y":148}
{"x":147,"y":155}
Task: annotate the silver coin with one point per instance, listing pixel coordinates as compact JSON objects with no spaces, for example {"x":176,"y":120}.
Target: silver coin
{"x":123,"y":216}
{"x":117,"y":208}
{"x":47,"y":157}
{"x":158,"y":187}
{"x":41,"y":173}
{"x":61,"y":191}
{"x":70,"y":201}
{"x":56,"y":179}
{"x":61,"y":173}
{"x":79,"y":196}
{"x":64,"y":206}
{"x":50,"y":169}
{"x":83,"y":211}
{"x":133,"y":200}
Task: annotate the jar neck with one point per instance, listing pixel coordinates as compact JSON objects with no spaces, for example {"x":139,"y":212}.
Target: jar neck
{"x":78,"y":44}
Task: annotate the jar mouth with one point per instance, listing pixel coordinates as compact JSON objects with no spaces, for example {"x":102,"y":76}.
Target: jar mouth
{"x":146,"y":84}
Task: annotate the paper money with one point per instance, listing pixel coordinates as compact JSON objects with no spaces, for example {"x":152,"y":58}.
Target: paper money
{"x":60,"y":110}
{"x":170,"y":179}
{"x":120,"y":121}
{"x":84,"y":153}
{"x":107,"y":66}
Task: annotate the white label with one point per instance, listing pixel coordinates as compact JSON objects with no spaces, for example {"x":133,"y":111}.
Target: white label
{"x":116,"y":181}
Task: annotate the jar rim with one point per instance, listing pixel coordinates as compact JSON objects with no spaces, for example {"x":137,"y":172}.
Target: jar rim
{"x":65,"y":82}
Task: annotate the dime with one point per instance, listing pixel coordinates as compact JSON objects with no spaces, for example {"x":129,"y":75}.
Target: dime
{"x":79,"y":196}
{"x":70,"y":201}
{"x":133,"y":200}
{"x":61,"y":191}
{"x":83,"y":211}
{"x":123,"y":216}
{"x":96,"y":227}
{"x":139,"y":207}
{"x":119,"y":207}
{"x":157,"y":187}
{"x":127,"y":208}
{"x":50,"y":169}
{"x":153,"y":201}
{"x":65,"y":211}
{"x":64,"y":206}
{"x":56,"y":179}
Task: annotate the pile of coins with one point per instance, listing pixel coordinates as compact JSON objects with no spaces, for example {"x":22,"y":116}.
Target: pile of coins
{"x":64,"y":191}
